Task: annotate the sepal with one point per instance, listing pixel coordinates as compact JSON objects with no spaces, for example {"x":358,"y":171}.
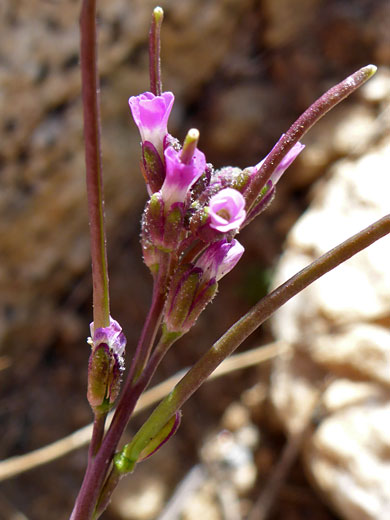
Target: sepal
{"x":104,"y":378}
{"x":153,"y":167}
{"x":105,"y":365}
{"x":182,"y":292}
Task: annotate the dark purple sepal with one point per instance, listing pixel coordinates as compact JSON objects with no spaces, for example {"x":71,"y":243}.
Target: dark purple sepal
{"x":153,"y":167}
{"x":151,"y":255}
{"x":152,"y":226}
{"x":98,"y":376}
{"x":162,"y":437}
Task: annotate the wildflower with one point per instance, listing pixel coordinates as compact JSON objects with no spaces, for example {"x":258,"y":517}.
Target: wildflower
{"x":151,"y":114}
{"x":183,"y":169}
{"x":227,"y":210}
{"x":105,"y":365}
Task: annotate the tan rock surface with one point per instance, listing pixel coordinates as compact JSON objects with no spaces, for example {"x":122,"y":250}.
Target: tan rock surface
{"x":338,"y":330}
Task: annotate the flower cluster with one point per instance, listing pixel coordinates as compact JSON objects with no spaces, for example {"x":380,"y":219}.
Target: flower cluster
{"x":194,"y":211}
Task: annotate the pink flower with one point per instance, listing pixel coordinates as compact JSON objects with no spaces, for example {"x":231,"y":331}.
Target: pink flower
{"x":285,"y":162}
{"x":180,"y":176}
{"x":219,"y":259}
{"x":150,"y":114}
{"x":227,"y":210}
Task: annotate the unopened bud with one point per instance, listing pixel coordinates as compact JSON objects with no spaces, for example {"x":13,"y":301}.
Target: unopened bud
{"x":105,"y":366}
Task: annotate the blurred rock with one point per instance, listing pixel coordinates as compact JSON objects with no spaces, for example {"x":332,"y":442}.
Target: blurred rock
{"x":349,"y":460}
{"x":355,"y":195}
{"x":338,"y":331}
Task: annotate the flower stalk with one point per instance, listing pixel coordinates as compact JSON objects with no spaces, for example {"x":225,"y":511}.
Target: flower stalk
{"x":233,"y":338}
{"x":90,"y":89}
{"x":302,"y":125}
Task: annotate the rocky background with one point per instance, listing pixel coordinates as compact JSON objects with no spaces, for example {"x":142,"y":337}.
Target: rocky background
{"x":241,"y":73}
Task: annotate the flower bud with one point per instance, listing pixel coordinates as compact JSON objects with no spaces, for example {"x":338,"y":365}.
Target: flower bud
{"x":105,"y":366}
{"x":161,"y":228}
{"x":182,"y":292}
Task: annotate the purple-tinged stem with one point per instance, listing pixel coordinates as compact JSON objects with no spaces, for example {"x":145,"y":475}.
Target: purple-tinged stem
{"x":244,"y":327}
{"x":94,"y":178}
{"x":298,"y":129}
{"x":90,"y":87}
{"x":165,"y":343}
{"x":97,"y":434}
{"x":96,"y":472}
{"x":152,"y":322}
{"x":98,"y":467}
{"x":154,"y":51}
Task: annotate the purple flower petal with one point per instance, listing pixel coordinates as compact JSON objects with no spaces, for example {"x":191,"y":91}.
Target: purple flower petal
{"x":111,"y":335}
{"x":151,"y":114}
{"x":219,"y":259}
{"x":227,"y":210}
{"x":179,"y":176}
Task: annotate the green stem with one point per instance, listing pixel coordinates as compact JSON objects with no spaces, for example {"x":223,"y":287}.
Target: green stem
{"x":244,"y":327}
{"x":90,"y":89}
